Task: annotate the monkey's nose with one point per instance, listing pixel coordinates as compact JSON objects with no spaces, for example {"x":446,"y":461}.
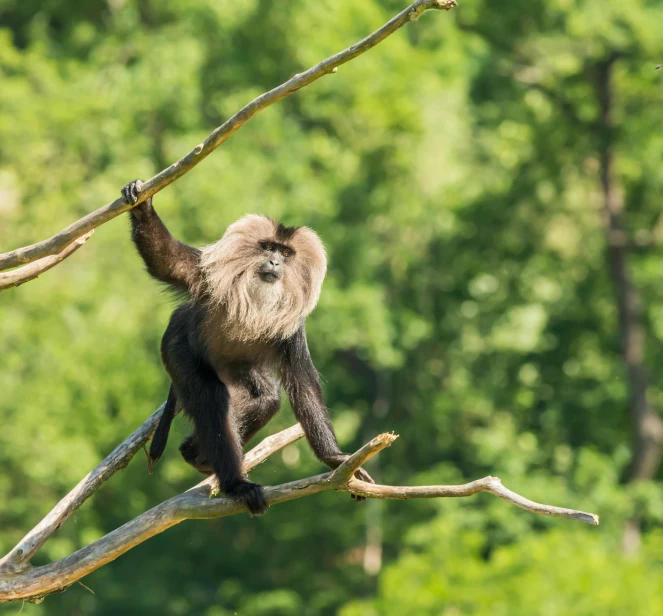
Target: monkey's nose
{"x":274,"y":263}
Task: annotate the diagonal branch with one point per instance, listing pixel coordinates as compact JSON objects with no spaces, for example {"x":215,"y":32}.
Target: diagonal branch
{"x":31,"y":583}
{"x":18,"y":559}
{"x":59,"y":241}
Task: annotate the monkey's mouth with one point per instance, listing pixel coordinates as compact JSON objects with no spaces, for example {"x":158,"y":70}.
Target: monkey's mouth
{"x":269,"y":276}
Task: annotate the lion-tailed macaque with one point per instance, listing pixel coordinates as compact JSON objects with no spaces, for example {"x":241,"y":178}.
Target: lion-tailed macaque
{"x":237,"y":338}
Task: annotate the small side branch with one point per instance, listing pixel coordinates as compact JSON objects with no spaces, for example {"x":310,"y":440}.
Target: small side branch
{"x":342,"y":475}
{"x":64,"y":238}
{"x":29,"y":272}
{"x":492,"y":485}
{"x":29,"y":583}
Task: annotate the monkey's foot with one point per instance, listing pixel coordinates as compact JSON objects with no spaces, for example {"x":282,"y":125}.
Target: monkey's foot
{"x":251,"y":494}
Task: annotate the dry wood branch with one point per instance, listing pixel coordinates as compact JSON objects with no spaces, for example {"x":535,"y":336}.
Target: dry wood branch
{"x":58,"y":242}
{"x":32,"y":270}
{"x":31,"y":583}
{"x":343,"y":473}
{"x":492,"y":485}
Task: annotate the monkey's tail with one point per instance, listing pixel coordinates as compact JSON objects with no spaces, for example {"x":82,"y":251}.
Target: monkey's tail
{"x":160,"y":437}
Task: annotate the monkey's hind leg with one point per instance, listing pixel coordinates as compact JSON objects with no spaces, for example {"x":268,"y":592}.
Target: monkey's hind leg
{"x":206,"y":400}
{"x":190,"y":450}
{"x":160,"y":437}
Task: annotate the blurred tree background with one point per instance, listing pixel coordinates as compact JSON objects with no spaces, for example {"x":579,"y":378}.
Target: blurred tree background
{"x":483,"y":181}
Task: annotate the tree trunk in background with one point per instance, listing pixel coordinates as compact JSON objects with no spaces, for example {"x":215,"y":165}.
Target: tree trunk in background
{"x":647,"y":425}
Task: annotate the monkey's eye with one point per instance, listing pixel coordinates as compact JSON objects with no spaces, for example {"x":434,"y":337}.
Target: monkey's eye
{"x":286,"y":252}
{"x":267,"y":246}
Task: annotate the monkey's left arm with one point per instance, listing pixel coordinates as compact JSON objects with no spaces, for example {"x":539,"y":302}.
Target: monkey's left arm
{"x":301,"y":382}
{"x":167,"y":259}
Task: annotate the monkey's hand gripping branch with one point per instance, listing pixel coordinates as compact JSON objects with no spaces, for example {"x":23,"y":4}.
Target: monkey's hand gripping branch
{"x":19,"y":580}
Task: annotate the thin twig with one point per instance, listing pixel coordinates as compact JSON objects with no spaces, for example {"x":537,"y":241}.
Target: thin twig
{"x":109,"y":211}
{"x":29,"y":272}
{"x":86,"y":587}
{"x":492,"y":485}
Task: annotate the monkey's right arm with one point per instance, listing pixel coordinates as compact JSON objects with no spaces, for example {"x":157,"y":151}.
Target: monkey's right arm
{"x":166,"y":258}
{"x":301,"y":382}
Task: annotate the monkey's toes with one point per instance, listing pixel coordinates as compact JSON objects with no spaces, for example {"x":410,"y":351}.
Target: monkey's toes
{"x":251,"y":494}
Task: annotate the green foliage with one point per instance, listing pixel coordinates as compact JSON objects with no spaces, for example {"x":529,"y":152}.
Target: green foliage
{"x":452,"y":173}
{"x":559,"y":572}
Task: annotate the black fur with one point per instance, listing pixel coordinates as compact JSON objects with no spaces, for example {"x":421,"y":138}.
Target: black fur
{"x":228,"y":389}
{"x":160,"y":438}
{"x":283,"y":233}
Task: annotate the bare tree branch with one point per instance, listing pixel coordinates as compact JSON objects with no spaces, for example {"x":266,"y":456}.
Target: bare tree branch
{"x":29,"y":272}
{"x":19,"y":557}
{"x":345,"y":471}
{"x":492,"y":485}
{"x":20,"y":581}
{"x":58,"y":242}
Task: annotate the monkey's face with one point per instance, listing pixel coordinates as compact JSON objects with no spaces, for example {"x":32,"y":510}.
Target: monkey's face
{"x":275,"y":259}
{"x":268,"y":276}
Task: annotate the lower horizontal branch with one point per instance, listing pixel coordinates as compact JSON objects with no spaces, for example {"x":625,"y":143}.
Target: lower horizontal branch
{"x":35,"y":582}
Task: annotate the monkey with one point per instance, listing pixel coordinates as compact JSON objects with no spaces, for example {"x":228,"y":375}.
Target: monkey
{"x":236,"y":340}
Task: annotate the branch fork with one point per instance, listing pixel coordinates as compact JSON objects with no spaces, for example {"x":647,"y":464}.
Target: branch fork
{"x":341,"y":477}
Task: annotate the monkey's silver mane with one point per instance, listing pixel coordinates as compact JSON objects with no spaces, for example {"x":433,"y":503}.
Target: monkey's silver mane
{"x":253,"y":308}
